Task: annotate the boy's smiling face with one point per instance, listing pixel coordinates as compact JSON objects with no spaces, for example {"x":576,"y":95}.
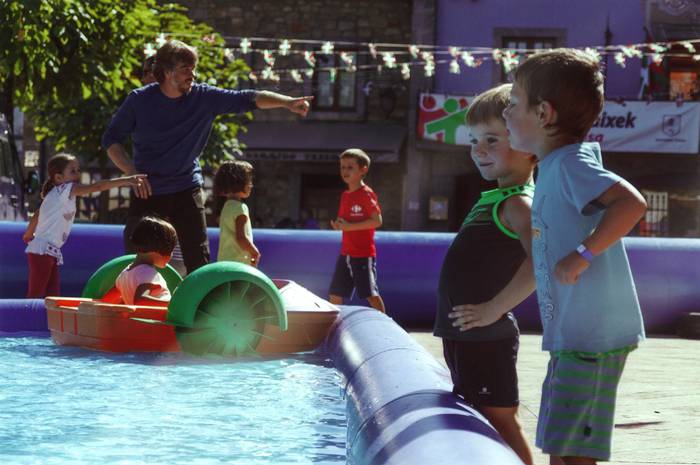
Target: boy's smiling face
{"x":351,"y":172}
{"x":494,"y":157}
{"x":522,"y":122}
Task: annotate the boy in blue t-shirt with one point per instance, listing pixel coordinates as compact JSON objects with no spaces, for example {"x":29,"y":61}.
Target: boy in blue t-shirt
{"x":588,"y":302}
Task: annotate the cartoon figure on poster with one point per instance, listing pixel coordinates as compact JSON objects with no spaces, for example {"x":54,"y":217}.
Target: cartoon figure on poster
{"x":442,"y":118}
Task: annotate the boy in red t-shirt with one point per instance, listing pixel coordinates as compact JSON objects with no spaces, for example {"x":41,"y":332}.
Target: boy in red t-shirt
{"x":358,"y":216}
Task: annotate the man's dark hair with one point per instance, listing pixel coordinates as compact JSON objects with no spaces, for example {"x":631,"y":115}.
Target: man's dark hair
{"x":147,"y":75}
{"x":171,"y":54}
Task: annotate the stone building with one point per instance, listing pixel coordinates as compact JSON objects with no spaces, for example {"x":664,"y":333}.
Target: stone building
{"x":296,"y":161}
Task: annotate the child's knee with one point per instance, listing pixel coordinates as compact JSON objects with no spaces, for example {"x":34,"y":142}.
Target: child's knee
{"x":504,"y":416}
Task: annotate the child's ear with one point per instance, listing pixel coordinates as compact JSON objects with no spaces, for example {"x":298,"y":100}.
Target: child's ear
{"x":546,"y":114}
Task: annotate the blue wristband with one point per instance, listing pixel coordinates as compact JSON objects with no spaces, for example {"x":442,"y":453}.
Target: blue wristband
{"x":585,"y":253}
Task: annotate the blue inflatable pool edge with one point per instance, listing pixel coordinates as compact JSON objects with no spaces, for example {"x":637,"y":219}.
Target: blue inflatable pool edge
{"x":20,"y":316}
{"x":400,"y":405}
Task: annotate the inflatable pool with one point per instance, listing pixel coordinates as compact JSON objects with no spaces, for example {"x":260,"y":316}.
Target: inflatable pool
{"x":408,"y":268}
{"x":400,"y":407}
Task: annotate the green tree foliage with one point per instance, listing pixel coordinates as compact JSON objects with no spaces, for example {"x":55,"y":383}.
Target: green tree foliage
{"x":69,"y":64}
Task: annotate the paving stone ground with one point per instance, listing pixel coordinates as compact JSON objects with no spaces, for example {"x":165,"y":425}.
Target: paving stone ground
{"x":657,"y":419}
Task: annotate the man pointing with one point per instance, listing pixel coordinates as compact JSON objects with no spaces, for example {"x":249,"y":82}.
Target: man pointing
{"x":169,"y":122}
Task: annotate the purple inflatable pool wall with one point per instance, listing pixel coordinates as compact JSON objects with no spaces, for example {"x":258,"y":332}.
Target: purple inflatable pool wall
{"x":666,"y":271}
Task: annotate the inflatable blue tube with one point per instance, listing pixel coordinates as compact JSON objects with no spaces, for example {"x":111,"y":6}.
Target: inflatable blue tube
{"x":400,"y":406}
{"x":666,"y":271}
{"x":22,"y":316}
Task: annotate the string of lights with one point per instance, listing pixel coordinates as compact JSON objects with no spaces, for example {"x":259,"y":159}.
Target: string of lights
{"x":402,"y":57}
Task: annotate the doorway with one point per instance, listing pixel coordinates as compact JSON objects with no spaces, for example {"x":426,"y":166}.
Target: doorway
{"x":320,"y":197}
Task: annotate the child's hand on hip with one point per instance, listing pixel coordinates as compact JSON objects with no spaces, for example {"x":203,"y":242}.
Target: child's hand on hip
{"x":570,"y":268}
{"x":470,"y":316}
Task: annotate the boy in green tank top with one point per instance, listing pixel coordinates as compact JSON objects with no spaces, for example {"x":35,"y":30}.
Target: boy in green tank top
{"x":487,"y":271}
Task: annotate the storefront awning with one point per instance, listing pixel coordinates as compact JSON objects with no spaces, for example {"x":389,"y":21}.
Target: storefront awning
{"x":321,"y":141}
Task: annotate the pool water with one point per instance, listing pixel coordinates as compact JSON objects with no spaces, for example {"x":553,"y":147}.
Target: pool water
{"x":63,"y":405}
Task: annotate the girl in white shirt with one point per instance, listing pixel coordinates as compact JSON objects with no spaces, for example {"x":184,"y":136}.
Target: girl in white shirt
{"x":140,"y":283}
{"x":50,"y":226}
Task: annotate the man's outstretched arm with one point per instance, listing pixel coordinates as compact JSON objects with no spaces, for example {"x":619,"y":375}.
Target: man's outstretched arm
{"x":266,"y":100}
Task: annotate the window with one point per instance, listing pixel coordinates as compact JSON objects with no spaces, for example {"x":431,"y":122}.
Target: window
{"x":655,"y":221}
{"x":334,"y":93}
{"x":530,"y":38}
{"x":525,"y":43}
{"x":534,"y":43}
{"x":677,"y":78}
{"x":683,"y":85}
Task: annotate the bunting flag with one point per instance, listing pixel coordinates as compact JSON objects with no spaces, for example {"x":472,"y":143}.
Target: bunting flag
{"x":402,"y":57}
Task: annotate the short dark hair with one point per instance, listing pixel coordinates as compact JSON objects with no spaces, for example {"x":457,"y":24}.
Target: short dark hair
{"x":153,"y":234}
{"x":170,"y":54}
{"x":232,"y":177}
{"x":571,"y":81}
{"x":359,"y":155}
{"x":489,"y":105}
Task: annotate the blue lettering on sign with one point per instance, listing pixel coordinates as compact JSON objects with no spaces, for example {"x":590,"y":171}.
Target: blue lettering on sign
{"x":615,"y":121}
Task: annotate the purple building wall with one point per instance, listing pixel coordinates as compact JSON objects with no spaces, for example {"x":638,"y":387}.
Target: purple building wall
{"x":472,"y":23}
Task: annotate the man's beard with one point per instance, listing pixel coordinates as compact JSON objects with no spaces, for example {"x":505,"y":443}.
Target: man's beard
{"x":186,"y":87}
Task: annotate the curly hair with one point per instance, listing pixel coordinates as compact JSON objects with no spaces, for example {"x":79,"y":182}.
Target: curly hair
{"x":232,"y":177}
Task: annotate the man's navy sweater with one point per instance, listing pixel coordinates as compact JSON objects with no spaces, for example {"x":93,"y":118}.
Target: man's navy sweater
{"x":169,"y":134}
